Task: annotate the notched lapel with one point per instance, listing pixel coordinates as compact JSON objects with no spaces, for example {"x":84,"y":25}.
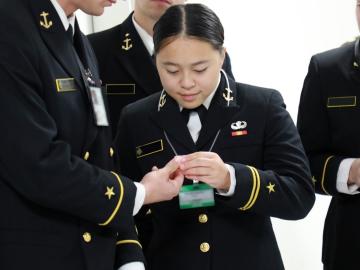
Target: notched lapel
{"x":134,"y":55}
{"x":172,"y":122}
{"x":221,"y":112}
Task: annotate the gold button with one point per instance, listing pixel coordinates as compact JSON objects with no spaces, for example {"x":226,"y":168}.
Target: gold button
{"x":204,"y":247}
{"x":203,"y":218}
{"x":87,"y":237}
{"x":87,"y":155}
{"x":111,"y":152}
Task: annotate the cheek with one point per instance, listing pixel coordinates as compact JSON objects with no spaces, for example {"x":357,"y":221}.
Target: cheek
{"x":168,"y":81}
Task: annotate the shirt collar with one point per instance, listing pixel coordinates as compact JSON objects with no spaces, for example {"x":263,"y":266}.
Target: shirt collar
{"x":66,"y":21}
{"x":208,"y":100}
{"x":145,"y":37}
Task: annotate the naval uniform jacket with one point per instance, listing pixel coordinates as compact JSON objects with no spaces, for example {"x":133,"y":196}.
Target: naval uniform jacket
{"x":327,"y":122}
{"x":272,"y":174}
{"x":127,"y":70}
{"x":61,"y":206}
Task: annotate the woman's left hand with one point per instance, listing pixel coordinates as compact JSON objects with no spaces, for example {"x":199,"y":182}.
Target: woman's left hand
{"x":206,"y":167}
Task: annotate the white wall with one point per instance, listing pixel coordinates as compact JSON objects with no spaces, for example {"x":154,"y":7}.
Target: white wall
{"x":270,"y":44}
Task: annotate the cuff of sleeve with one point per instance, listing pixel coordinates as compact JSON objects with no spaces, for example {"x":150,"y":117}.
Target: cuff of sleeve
{"x":343,"y":176}
{"x":231,"y":190}
{"x":139,"y":198}
{"x":133,"y":266}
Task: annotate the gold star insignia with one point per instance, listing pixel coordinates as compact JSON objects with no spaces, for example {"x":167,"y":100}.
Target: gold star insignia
{"x":109,"y":192}
{"x":271,"y":187}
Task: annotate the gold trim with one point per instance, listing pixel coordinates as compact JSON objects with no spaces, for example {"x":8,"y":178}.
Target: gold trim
{"x":119,"y":202}
{"x":323,"y":175}
{"x":64,"y":79}
{"x":122,"y":242}
{"x":139,"y":147}
{"x":121,"y":84}
{"x":255,"y":189}
{"x":341,"y":106}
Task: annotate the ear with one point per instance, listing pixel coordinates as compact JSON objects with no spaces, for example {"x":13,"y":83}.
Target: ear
{"x":222,"y":55}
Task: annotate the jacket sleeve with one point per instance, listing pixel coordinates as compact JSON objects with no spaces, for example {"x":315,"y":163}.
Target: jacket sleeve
{"x":282,"y":186}
{"x":37,"y":163}
{"x":313,"y":125}
{"x":128,"y":248}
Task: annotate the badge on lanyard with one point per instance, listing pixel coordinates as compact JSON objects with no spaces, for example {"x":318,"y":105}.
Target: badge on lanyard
{"x":98,"y":105}
{"x":196,"y":195}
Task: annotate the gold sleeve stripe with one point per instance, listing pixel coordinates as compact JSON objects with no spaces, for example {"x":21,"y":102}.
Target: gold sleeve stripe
{"x":122,"y":242}
{"x":254,"y":191}
{"x":257,"y":188}
{"x":323,"y":175}
{"x":119,"y":202}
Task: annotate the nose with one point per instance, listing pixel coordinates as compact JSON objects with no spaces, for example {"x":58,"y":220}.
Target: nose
{"x":187,"y":82}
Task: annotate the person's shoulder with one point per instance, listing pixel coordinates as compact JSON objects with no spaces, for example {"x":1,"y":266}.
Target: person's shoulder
{"x":335,"y":55}
{"x":110,"y":33}
{"x":143,"y":106}
{"x":256,"y":94}
{"x":105,"y":35}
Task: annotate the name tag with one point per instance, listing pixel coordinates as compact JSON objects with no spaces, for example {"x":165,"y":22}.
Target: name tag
{"x":341,"y":102}
{"x":66,"y":85}
{"x":149,"y":148}
{"x":98,"y":105}
{"x":195,"y":196}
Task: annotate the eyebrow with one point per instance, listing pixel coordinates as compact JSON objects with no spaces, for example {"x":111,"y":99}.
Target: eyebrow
{"x":167,"y":63}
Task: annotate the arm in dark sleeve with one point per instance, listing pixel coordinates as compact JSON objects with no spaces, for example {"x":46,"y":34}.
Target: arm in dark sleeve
{"x":313,"y":126}
{"x":41,"y":167}
{"x":282,"y":187}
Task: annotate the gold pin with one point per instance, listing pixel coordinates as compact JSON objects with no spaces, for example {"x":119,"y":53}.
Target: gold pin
{"x":127,"y":41}
{"x":228,"y":96}
{"x":111,"y":152}
{"x":162,"y":100}
{"x":109,"y":192}
{"x":44,"y":22}
{"x":271,"y":187}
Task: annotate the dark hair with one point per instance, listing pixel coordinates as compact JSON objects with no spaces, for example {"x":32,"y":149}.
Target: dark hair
{"x":190,"y":20}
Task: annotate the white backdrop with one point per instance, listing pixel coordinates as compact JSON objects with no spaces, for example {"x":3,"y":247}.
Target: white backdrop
{"x":270,"y":44}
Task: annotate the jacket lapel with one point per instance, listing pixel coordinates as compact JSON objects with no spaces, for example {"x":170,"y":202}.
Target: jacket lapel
{"x":169,"y":119}
{"x":222,"y":109}
{"x":355,"y":63}
{"x":132,"y":51}
{"x":83,"y":52}
{"x":53,"y":33}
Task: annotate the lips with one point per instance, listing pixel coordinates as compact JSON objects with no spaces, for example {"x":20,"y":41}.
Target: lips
{"x":163,"y":1}
{"x":189,"y":97}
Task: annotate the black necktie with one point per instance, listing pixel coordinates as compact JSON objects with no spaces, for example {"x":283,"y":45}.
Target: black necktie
{"x":70,"y":33}
{"x":201,"y":110}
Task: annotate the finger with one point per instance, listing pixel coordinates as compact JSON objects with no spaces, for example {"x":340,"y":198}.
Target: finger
{"x":194,"y":163}
{"x":195,"y":155}
{"x":197,"y":172}
{"x":172,"y":165}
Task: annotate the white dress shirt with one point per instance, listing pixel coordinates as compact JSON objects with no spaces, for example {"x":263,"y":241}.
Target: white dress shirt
{"x":194,"y":126}
{"x":343,"y":176}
